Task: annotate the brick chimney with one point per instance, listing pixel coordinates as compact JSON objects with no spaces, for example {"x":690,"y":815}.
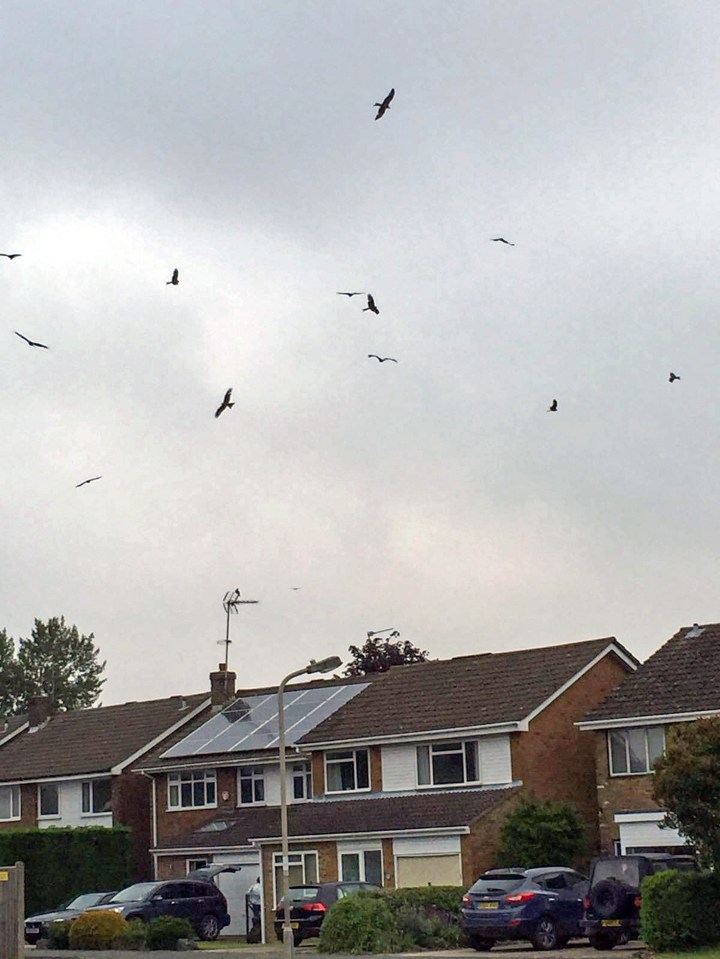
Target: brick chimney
{"x":40,"y":709}
{"x":222,"y":687}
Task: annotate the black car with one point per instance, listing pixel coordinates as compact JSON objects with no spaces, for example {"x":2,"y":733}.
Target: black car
{"x":201,"y":903}
{"x":36,"y":927}
{"x":612,"y":903}
{"x":308,"y":905}
{"x":543,"y":905}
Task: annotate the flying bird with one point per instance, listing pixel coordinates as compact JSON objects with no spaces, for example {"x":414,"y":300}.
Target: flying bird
{"x":501,"y":239}
{"x":226,"y":404}
{"x":553,"y":407}
{"x":385,"y":105}
{"x":357,"y":293}
{"x":11,"y":256}
{"x":174,"y":279}
{"x":31,"y":342}
{"x":381,"y":359}
{"x":91,"y":480}
{"x":673,"y":377}
{"x":371,"y":305}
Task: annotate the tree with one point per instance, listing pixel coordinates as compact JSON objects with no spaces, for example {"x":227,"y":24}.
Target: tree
{"x":687,"y":784}
{"x":56,"y":661}
{"x":538,"y":832}
{"x":378,"y":655}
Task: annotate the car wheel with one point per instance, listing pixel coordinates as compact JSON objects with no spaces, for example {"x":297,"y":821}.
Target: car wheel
{"x":480,"y":944}
{"x":209,"y":927}
{"x":611,"y":899}
{"x":604,"y":943}
{"x":545,"y":936}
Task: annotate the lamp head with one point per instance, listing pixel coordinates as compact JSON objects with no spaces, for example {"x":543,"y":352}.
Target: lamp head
{"x":324,"y":665}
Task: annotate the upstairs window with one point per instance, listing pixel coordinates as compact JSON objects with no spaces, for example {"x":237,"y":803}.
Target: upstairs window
{"x":9,"y":803}
{"x":192,"y":790}
{"x":48,"y":800}
{"x":347,"y":771}
{"x":634,"y":750}
{"x":252,"y":785}
{"x":448,"y":764}
{"x":301,"y":781}
{"x":96,"y":797}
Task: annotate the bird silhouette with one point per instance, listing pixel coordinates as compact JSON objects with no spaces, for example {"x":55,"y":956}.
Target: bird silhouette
{"x":385,"y":105}
{"x":357,"y":293}
{"x":501,"y":239}
{"x":381,"y":359}
{"x":31,"y":342}
{"x":91,"y":480}
{"x":226,"y":404}
{"x":673,"y":377}
{"x":553,"y":407}
{"x":11,"y":256}
{"x":174,"y":281}
{"x":371,"y":305}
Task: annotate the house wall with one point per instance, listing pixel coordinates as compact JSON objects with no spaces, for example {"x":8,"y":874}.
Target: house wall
{"x":327,"y":872}
{"x":554,"y":759}
{"x":399,"y":764}
{"x":479,"y":848}
{"x":132,"y":807}
{"x":172,"y":824}
{"x":28,"y":808}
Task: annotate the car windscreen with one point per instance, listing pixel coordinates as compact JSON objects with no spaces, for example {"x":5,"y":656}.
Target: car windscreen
{"x":622,"y":870}
{"x":139,"y":891}
{"x":303,"y":893}
{"x":499,"y":882}
{"x":85,"y":901}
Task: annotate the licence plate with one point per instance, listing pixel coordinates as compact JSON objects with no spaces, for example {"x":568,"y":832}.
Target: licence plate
{"x":32,"y":928}
{"x":294,"y":925}
{"x":610,"y":922}
{"x":489,"y":905}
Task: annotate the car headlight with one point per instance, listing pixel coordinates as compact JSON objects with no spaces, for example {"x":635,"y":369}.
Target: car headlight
{"x":116,"y":908}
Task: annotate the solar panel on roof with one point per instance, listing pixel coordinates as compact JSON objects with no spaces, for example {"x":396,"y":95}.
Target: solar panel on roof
{"x":251,"y":723}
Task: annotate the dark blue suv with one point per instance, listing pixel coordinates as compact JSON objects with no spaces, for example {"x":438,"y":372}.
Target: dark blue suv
{"x":543,"y":905}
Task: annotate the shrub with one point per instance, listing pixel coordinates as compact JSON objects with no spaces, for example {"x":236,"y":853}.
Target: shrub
{"x":680,"y":910}
{"x":95,"y":930}
{"x":537,"y":832}
{"x":58,"y":933}
{"x":427,"y":916}
{"x":132,"y":938}
{"x":164,"y":932}
{"x":360,"y":924}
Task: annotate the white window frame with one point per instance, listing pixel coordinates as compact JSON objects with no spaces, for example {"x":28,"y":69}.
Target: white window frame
{"x":625,"y":732}
{"x":90,"y":784}
{"x":353,"y":760}
{"x":301,"y":772}
{"x":360,"y":852}
{"x":191,"y":864}
{"x":296,"y":858}
{"x":48,"y":815}
{"x":254,"y":775}
{"x":441,"y":748}
{"x":15,"y":803}
{"x":176,"y":780}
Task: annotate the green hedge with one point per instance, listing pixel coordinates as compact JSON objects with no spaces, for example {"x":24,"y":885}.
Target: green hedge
{"x":62,"y":863}
{"x":680,"y":910}
{"x":359,"y":924}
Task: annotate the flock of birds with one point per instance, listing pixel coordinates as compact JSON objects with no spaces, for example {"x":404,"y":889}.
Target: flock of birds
{"x":227,"y":403}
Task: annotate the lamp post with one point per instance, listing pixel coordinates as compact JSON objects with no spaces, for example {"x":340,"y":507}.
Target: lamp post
{"x":324,"y":666}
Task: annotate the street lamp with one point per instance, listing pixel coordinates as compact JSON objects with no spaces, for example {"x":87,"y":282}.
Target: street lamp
{"x":324,"y":666}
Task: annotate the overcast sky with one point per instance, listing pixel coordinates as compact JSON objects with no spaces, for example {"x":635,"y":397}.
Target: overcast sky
{"x":236,"y":141}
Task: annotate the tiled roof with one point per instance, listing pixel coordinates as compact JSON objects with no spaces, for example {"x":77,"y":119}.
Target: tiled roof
{"x":683,"y":676}
{"x":91,"y":740}
{"x":468,"y":691}
{"x":386,"y":814}
{"x":9,"y":726}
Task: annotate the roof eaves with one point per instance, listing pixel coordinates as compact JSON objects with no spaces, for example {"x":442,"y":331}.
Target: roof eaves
{"x":647,"y":720}
{"x":421,"y":736}
{"x":6,"y":737}
{"x":459,"y":830}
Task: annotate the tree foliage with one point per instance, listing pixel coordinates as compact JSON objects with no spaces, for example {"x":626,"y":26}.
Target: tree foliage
{"x":55,"y":660}
{"x":378,"y":654}
{"x":542,"y":832}
{"x":687,"y":784}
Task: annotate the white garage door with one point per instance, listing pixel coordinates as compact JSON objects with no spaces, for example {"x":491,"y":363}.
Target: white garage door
{"x":429,"y":870}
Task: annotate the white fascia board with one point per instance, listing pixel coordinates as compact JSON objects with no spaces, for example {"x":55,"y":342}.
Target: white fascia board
{"x":116,"y":770}
{"x":428,"y":735}
{"x":8,"y":736}
{"x":656,"y":816}
{"x":196,"y":850}
{"x":610,"y":648}
{"x":55,"y":779}
{"x":236,"y":759}
{"x":661,"y":719}
{"x":374,"y":834}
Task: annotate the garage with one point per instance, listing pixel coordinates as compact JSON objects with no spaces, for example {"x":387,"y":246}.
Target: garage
{"x":429,"y":870}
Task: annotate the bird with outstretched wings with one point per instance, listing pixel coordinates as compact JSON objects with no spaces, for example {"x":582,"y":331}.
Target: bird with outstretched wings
{"x":85,"y":482}
{"x":371,"y":305}
{"x":385,"y":105}
{"x":31,"y":342}
{"x":501,"y":239}
{"x":356,"y":293}
{"x":226,"y":404}
{"x":673,"y":377}
{"x":11,"y":256}
{"x":174,"y":280}
{"x":381,"y":359}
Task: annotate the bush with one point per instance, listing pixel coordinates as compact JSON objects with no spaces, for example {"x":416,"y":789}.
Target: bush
{"x":680,"y":910}
{"x":132,"y":938}
{"x":540,"y":832}
{"x":164,"y":932}
{"x":360,"y":924}
{"x":427,"y":916}
{"x":95,"y":930}
{"x":58,"y":933}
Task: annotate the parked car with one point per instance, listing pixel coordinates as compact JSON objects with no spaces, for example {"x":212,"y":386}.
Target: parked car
{"x":308,"y":905}
{"x":201,"y":903}
{"x":543,"y":905}
{"x":36,"y":927}
{"x":612,"y":903}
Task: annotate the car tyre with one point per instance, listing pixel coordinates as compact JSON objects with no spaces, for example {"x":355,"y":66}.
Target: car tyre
{"x":545,"y":936}
{"x":209,"y":927}
{"x":480,"y":944}
{"x":602,"y":942}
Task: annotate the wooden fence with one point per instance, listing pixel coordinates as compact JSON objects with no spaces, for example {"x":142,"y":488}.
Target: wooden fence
{"x":12,"y":911}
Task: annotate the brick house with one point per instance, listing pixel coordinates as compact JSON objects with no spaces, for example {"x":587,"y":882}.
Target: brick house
{"x":402,"y":778}
{"x":73,"y":768}
{"x":678,"y":684}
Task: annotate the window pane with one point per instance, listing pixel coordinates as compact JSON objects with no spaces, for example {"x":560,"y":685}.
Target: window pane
{"x":86,"y":797}
{"x":335,"y":777}
{"x":423,"y":765}
{"x":471,"y":765}
{"x":618,"y":755}
{"x":186,"y":794}
{"x":49,"y":800}
{"x":298,"y":787}
{"x":173,"y":797}
{"x":5,"y":802}
{"x":246,"y":795}
{"x":310,"y":867}
{"x":363,"y":777}
{"x":638,"y":757}
{"x":199,"y":793}
{"x":101,"y":795}
{"x":350,"y":867}
{"x":373,"y":867}
{"x":210,"y":792}
{"x":447,"y":768}
{"x":259,"y":790}
{"x":655,"y":742}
